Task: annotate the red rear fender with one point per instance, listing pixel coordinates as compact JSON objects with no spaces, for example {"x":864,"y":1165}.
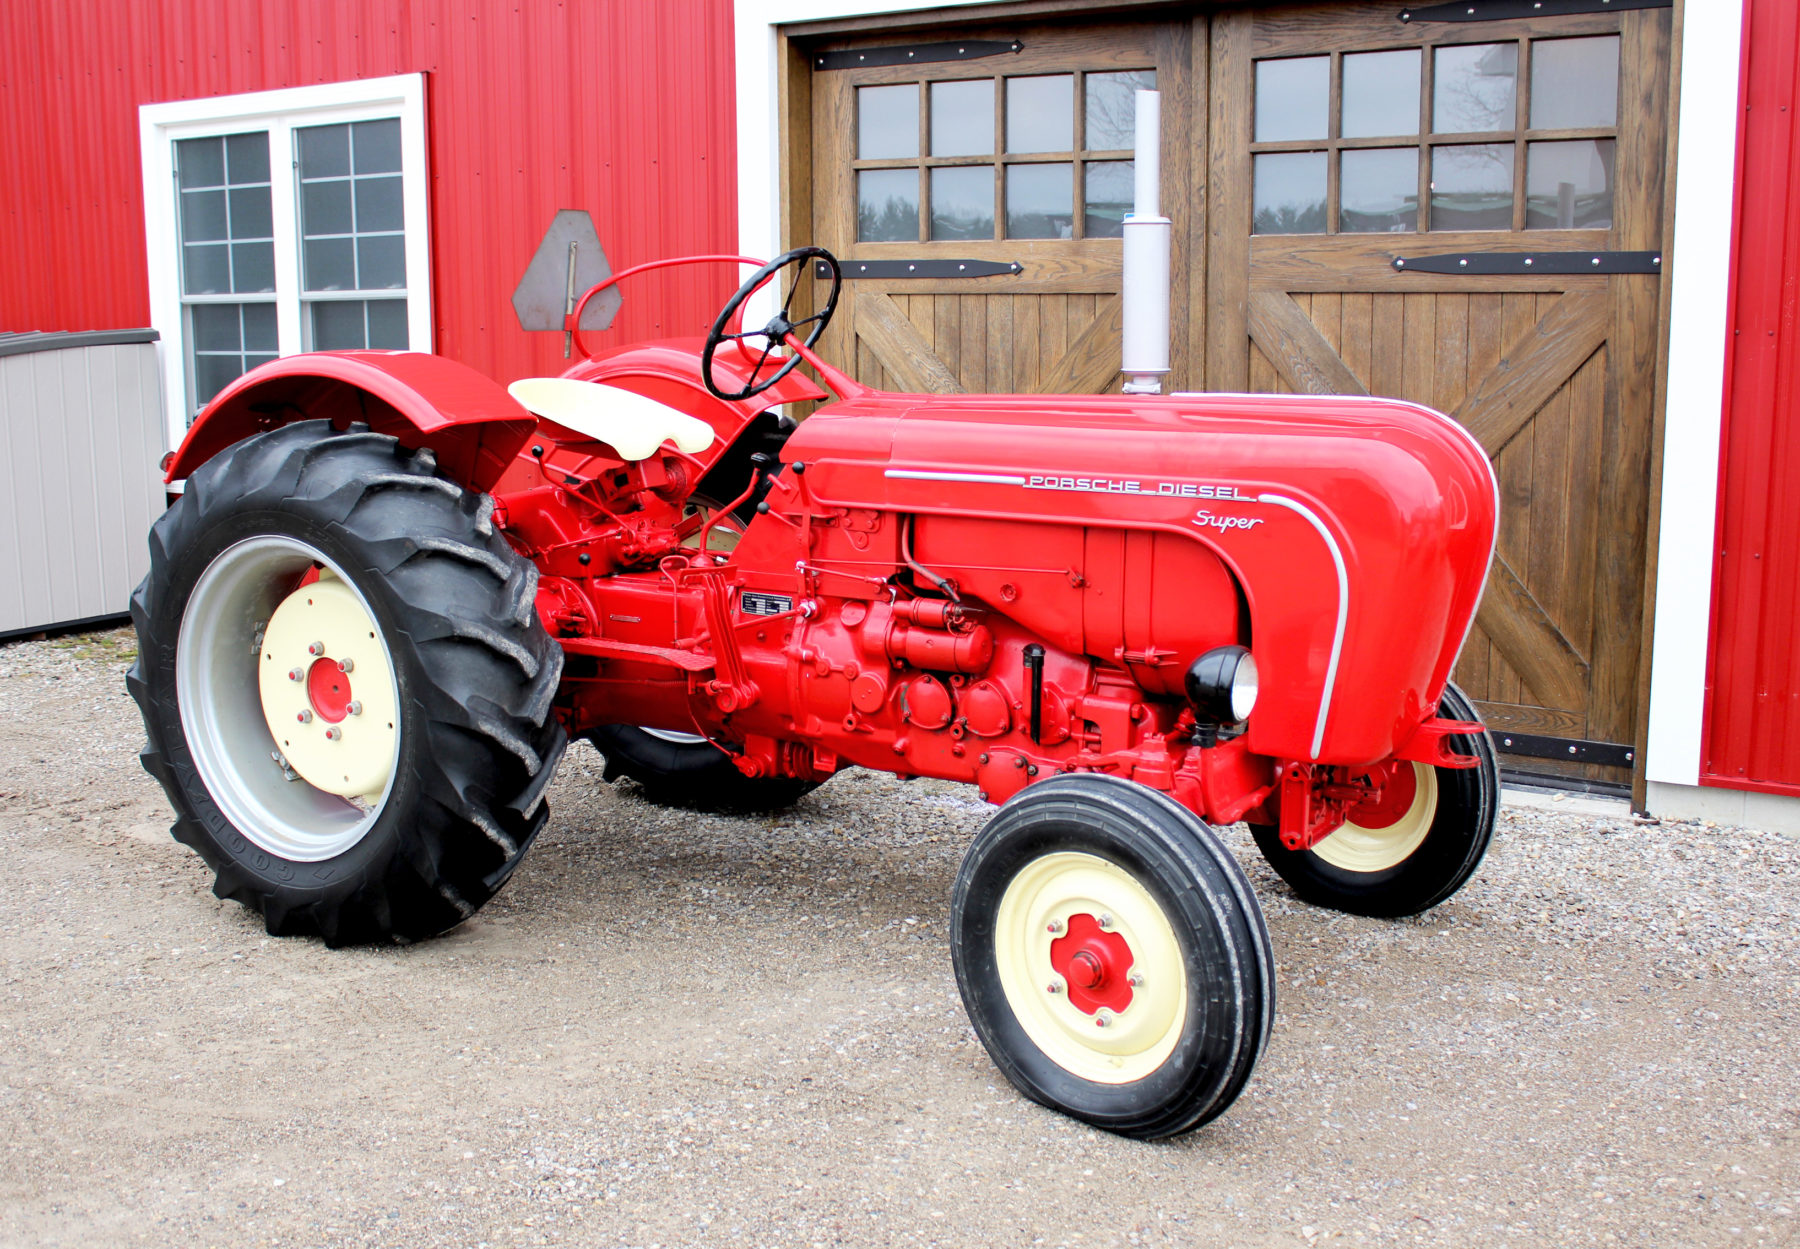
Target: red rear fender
{"x":470,"y":422}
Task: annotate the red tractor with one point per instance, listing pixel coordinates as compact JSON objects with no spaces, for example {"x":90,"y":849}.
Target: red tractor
{"x":392,"y":591}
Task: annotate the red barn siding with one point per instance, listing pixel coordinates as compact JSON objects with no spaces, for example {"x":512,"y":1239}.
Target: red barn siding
{"x":1753,"y":694}
{"x":621,"y":107}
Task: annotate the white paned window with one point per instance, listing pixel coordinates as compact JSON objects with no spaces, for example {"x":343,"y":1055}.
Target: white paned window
{"x":284,"y":221}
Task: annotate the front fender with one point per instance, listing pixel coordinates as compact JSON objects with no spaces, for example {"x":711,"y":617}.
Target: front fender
{"x":471,"y":423}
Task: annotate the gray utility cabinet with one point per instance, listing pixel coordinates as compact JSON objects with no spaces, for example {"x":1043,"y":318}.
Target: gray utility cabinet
{"x":81,"y":438}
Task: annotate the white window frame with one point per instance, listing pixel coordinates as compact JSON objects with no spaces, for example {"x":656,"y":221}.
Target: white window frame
{"x":161,"y":126}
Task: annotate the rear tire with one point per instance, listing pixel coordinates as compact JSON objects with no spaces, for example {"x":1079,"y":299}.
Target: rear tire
{"x":455,"y":664}
{"x":1161,"y":1031}
{"x":1417,"y":858}
{"x":685,"y":770}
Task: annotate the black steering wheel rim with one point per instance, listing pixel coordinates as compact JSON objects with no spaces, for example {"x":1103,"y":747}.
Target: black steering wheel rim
{"x":777,"y":329}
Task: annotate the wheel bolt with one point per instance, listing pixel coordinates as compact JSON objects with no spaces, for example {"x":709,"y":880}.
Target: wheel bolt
{"x":1102,"y":1019}
{"x":1054,"y":925}
{"x":346,"y":665}
{"x":296,"y":674}
{"x":333,"y":733}
{"x":305,"y":716}
{"x":315,"y":648}
{"x":1105,"y":921}
{"x":1055,"y":986}
{"x":1135,"y":980}
{"x":355,"y":708}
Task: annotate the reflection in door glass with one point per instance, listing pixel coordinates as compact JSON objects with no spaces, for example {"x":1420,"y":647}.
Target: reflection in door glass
{"x":962,"y":202}
{"x":1574,"y":82}
{"x":1569,"y":185}
{"x":1471,"y":186}
{"x":887,"y":122}
{"x":1381,"y":94}
{"x":887,"y":206}
{"x":1378,"y":190}
{"x":1108,"y":196}
{"x":1474,"y":88}
{"x":962,"y":118}
{"x":1040,"y":201}
{"x":1288,"y":191}
{"x":1292,"y":98}
{"x":1112,"y":109}
{"x":1040,"y":114}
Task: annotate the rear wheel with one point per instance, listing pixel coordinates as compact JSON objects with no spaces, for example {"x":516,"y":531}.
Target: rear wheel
{"x":345,"y":687}
{"x":1112,"y":956}
{"x":686,"y":770}
{"x":1410,"y":848}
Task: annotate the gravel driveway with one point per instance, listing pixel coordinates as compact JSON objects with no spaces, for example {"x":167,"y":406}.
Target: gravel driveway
{"x":675,"y":1029}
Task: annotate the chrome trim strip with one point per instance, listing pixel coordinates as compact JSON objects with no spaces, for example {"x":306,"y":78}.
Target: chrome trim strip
{"x":1343,"y":618}
{"x":920,"y":474}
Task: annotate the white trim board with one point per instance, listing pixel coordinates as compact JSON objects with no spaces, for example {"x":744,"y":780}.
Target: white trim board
{"x":160,"y":125}
{"x":1706,"y":154}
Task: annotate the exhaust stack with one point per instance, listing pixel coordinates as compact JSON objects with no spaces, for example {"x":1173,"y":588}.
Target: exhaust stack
{"x":1145,"y":357}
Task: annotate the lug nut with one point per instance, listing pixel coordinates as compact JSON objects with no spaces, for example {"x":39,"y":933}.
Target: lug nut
{"x":296,"y":674}
{"x":333,"y":733}
{"x":1135,"y":980}
{"x":1105,"y":921}
{"x":305,"y":716}
{"x":1054,"y":925}
{"x":1055,"y":986}
{"x":355,"y":707}
{"x":346,"y":665}
{"x":315,"y":648}
{"x":1102,"y":1019}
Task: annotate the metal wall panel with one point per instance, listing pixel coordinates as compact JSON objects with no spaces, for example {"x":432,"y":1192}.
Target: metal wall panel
{"x":621,"y":107}
{"x":1753,"y":689}
{"x":81,"y":432}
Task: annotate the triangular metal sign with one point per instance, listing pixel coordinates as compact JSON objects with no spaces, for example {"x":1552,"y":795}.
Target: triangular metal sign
{"x":570,"y":259}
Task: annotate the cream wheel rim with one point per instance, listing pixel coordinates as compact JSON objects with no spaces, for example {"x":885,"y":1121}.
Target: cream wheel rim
{"x":1059,"y":896}
{"x":1356,"y":848}
{"x":230,"y":653}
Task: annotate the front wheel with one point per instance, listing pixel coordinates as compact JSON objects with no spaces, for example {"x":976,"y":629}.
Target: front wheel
{"x":1412,"y":847}
{"x":345,"y":686}
{"x":1112,"y":956}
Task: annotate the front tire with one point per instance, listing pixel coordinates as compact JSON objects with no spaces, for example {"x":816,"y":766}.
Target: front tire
{"x":1408,"y":853}
{"x":1112,"y":956}
{"x":345,"y":687}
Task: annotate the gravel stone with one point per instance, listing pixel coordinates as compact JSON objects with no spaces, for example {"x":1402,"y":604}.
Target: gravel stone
{"x":680,"y":1029}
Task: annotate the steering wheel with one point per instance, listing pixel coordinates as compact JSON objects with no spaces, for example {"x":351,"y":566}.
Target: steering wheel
{"x":778,"y":328}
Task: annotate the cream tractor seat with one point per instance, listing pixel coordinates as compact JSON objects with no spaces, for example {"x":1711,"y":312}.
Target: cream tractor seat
{"x":631,"y":424}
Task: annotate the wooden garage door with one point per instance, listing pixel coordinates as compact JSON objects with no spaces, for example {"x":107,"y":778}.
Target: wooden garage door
{"x":1346,"y":143}
{"x":1012,"y":158}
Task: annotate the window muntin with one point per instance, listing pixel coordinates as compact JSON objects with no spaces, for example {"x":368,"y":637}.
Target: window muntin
{"x":1511,"y":135}
{"x":1025,"y":156}
{"x":352,"y":234}
{"x":226,"y":245}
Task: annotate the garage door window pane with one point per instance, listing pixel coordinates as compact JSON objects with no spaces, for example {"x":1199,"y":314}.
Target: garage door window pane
{"x":1112,"y":109}
{"x":1040,"y":201}
{"x":1109,"y":195}
{"x":962,"y":118}
{"x":1471,"y":187}
{"x":1569,"y":185}
{"x":1574,"y":82}
{"x":1289,"y":193}
{"x":1379,"y":190}
{"x":1475,"y":88}
{"x":962,"y":202}
{"x":1292,"y":98}
{"x":1381,"y":94}
{"x":224,"y":214}
{"x":1040,"y":114}
{"x":887,"y":122}
{"x":887,"y":206}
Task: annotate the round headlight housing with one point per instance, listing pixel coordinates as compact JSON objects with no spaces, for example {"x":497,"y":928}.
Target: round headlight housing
{"x":1222,"y":685}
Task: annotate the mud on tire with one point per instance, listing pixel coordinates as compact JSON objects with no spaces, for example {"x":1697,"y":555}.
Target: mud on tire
{"x":474,"y":671}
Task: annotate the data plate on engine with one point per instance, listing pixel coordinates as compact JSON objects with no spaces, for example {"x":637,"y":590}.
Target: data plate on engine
{"x":756,"y":603}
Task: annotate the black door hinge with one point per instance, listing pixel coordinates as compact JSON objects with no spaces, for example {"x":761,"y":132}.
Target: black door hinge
{"x":915,"y":53}
{"x":921,"y":268}
{"x":1528,"y":264}
{"x":1505,"y":10}
{"x":1571,"y":749}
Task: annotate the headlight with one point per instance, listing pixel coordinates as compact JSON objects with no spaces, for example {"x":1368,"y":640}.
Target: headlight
{"x":1222,"y":685}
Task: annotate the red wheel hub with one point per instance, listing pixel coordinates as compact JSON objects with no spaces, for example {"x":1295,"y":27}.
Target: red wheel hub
{"x":1396,"y":786}
{"x":1096,"y":965}
{"x":329,"y":689}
